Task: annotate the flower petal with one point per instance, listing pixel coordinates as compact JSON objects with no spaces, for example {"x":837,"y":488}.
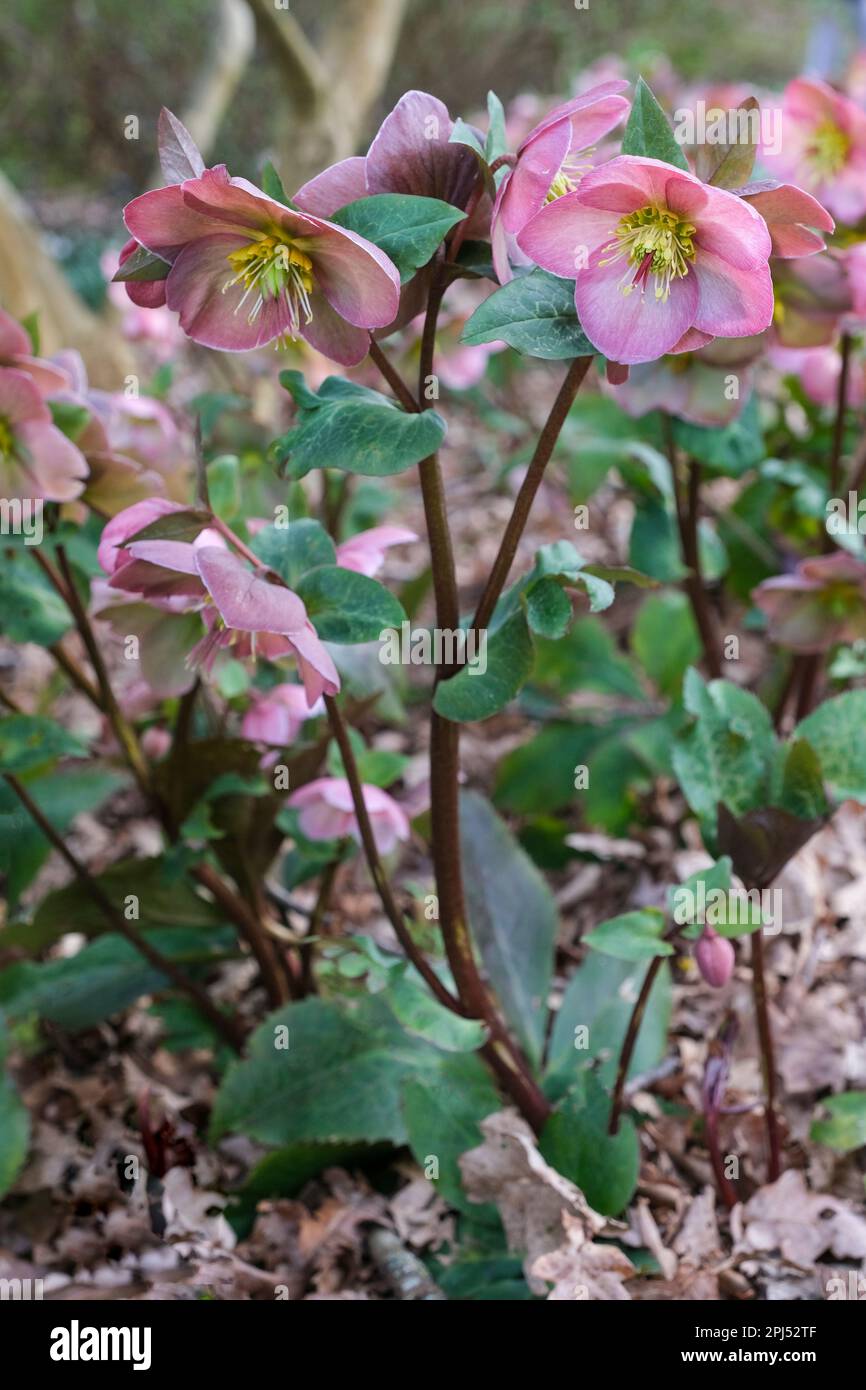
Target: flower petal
{"x":732,"y":303}
{"x":565,"y":234}
{"x":342,"y":183}
{"x":412,"y":153}
{"x":633,"y":327}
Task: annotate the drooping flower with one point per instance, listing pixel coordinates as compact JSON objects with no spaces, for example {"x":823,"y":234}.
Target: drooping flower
{"x":813,"y":296}
{"x":246,"y":269}
{"x":663,"y":263}
{"x":412,"y":152}
{"x":823,"y":602}
{"x":240,"y":608}
{"x":37,"y":460}
{"x":551,"y":160}
{"x":327,"y":812}
{"x":275,"y":716}
{"x":823,"y":146}
{"x":365,"y":552}
{"x":715,"y":957}
{"x":144,"y":317}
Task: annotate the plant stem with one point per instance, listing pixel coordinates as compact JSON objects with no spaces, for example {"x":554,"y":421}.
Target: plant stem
{"x":229,"y":1028}
{"x":251,"y":929}
{"x":380,"y":879}
{"x":835,"y":471}
{"x":723,"y":1182}
{"x":393,"y":378}
{"x":629,"y":1041}
{"x":687,"y":510}
{"x":768,"y":1061}
{"x":528,"y":489}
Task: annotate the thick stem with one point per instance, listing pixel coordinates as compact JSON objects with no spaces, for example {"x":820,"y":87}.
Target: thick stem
{"x":250,"y":926}
{"x":768,"y":1061}
{"x":229,"y":1028}
{"x":629,"y":1042}
{"x":835,"y":470}
{"x":723,"y":1182}
{"x":687,"y":510}
{"x":528,"y":489}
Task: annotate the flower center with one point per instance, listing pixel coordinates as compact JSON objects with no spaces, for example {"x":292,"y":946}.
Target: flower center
{"x":656,"y":242}
{"x":828,"y":150}
{"x":570,"y":174}
{"x":272,"y":267}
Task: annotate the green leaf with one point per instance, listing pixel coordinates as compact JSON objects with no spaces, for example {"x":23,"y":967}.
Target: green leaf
{"x":174,"y":526}
{"x":415,"y":1007}
{"x":69,"y":418}
{"x":732,"y":450}
{"x":28,"y":741}
{"x":730,"y":166}
{"x":105,"y":977}
{"x":533,"y":313}
{"x":496,"y":143}
{"x":142,"y":265}
{"x":283,"y":1172}
{"x":648,"y":132}
{"x":835,"y":731}
{"x":272,"y":184}
{"x":475,"y":693}
{"x":339,"y":1078}
{"x":576,"y":1143}
{"x":512,"y":918}
{"x":30,"y":609}
{"x":463,"y":134}
{"x":407,"y":228}
{"x":631,"y":936}
{"x":442,"y":1112}
{"x":726,"y":753}
{"x":802,"y":782}
{"x":140,"y":885}
{"x":345,"y":606}
{"x":61,"y":796}
{"x":357,"y":430}
{"x":14,"y":1133}
{"x":548,"y":608}
{"x":591,"y":1023}
{"x":586,"y":659}
{"x":665,"y":639}
{"x":292,"y":550}
{"x":538,"y":776}
{"x":846,"y":1128}
{"x":684,"y":900}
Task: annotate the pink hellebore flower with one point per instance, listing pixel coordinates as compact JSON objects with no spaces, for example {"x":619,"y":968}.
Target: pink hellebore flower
{"x":411,"y":153}
{"x":365,"y":552}
{"x":327,"y":813}
{"x":692,"y":385}
{"x":550,"y":161}
{"x":37,"y":460}
{"x":822,"y":603}
{"x":715,"y":957}
{"x":275,"y":716}
{"x":16,"y":351}
{"x":663,"y":262}
{"x":823,"y":146}
{"x":246,"y":270}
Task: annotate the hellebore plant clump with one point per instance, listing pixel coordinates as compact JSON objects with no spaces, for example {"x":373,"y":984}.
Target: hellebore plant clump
{"x":225,"y":616}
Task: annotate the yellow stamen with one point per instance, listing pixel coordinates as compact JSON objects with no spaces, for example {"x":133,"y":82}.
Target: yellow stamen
{"x":658,"y":243}
{"x":828,"y":151}
{"x":7,"y":440}
{"x":274,"y":268}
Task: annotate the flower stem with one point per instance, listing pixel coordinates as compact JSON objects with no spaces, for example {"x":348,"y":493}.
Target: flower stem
{"x":768,"y":1061}
{"x":687,"y":510}
{"x":629,"y":1041}
{"x":528,"y":489}
{"x":229,"y":1028}
{"x":380,"y":879}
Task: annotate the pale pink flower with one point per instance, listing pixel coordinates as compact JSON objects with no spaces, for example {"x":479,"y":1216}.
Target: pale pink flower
{"x":818,"y":370}
{"x":855,"y":267}
{"x":550,"y":162}
{"x":791,"y":215}
{"x":16,"y":351}
{"x":823,"y":602}
{"x":275,"y":716}
{"x":37,"y":460}
{"x":327,"y":812}
{"x":823,"y":146}
{"x":663,"y":262}
{"x":365,"y":552}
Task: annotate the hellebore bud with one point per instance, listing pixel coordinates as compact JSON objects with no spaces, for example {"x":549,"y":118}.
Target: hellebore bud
{"x":715,"y":957}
